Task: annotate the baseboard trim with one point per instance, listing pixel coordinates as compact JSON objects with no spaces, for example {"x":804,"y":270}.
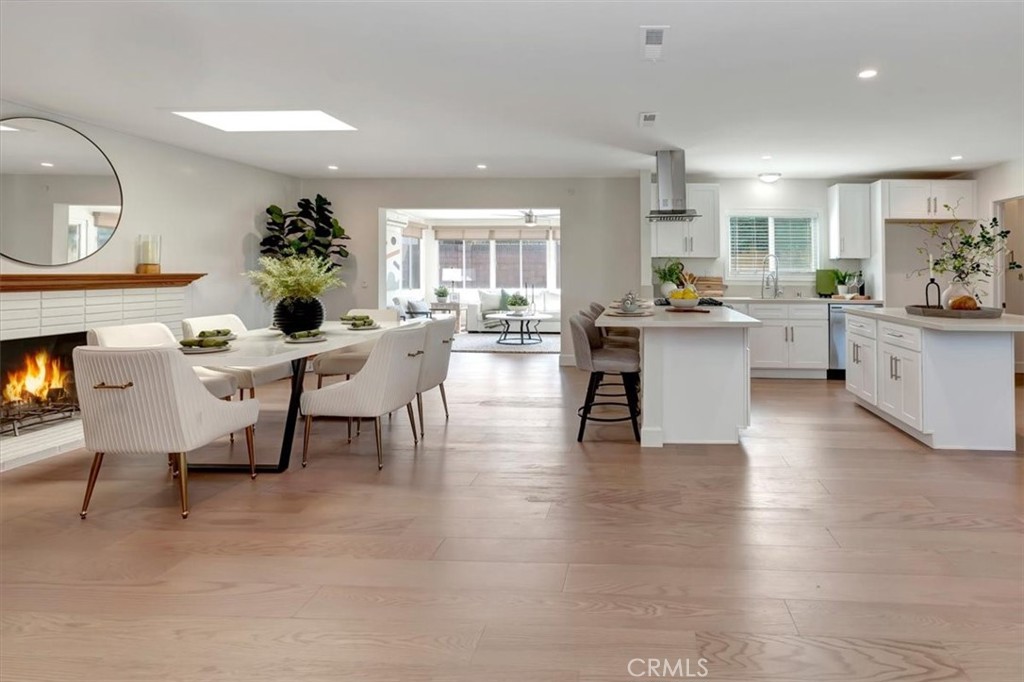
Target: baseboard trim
{"x":788,"y":373}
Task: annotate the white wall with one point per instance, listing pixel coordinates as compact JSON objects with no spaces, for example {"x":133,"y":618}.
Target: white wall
{"x":998,"y":183}
{"x":600,"y":229}
{"x":742,"y":194}
{"x":209,"y":212}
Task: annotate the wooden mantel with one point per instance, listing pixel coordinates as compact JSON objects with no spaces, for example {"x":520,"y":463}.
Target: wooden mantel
{"x":115,"y":280}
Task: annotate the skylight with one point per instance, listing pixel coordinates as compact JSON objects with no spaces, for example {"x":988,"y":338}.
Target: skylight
{"x":266,"y":121}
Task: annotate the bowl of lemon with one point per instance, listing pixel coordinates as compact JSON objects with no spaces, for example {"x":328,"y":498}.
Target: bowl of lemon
{"x":686,"y":297}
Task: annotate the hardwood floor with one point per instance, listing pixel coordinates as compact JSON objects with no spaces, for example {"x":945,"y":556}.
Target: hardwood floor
{"x":828,"y":546}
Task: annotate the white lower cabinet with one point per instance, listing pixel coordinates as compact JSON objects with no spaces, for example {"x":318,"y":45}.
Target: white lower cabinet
{"x":861,"y":364}
{"x":901,"y":389}
{"x":793,"y":336}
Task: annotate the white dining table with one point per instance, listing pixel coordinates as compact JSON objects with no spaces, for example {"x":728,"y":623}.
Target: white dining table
{"x":263,"y":347}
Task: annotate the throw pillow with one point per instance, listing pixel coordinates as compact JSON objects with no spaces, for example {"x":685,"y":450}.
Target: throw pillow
{"x":504,"y":300}
{"x":418,"y":307}
{"x":490,"y":301}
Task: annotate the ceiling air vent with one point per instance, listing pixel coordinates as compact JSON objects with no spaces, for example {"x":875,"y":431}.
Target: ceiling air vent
{"x":654,"y":42}
{"x":647,"y":119}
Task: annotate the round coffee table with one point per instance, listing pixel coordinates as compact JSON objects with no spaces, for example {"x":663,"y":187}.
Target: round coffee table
{"x":526,"y":335}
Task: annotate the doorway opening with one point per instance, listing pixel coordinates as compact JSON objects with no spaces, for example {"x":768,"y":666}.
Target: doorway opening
{"x":497,"y":270}
{"x":1011,"y":282}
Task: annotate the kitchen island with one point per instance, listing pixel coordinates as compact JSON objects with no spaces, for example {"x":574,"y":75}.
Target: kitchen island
{"x":947,"y":382}
{"x":695,"y":369}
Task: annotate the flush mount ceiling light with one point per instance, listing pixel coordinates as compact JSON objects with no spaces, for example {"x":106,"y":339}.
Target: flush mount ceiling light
{"x":46,"y":164}
{"x":867,"y":73}
{"x":266,"y":121}
{"x":8,"y":129}
{"x":482,"y":166}
{"x":332,"y":168}
{"x":957,"y":157}
{"x":769,"y":177}
{"x":531,"y":219}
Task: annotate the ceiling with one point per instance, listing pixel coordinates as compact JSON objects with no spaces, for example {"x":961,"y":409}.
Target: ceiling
{"x":36,"y":142}
{"x":538,"y":89}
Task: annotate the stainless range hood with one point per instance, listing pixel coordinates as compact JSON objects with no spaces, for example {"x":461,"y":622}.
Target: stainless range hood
{"x":671,"y":204}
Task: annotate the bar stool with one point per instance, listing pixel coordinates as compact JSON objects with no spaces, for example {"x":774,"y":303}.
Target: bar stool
{"x":594,"y":357}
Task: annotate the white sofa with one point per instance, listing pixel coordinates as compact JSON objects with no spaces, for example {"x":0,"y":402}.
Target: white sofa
{"x":548,"y":301}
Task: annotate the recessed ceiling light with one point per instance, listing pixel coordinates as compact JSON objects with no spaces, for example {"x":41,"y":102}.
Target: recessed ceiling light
{"x":766,"y":157}
{"x":332,"y":168}
{"x":956,"y":158}
{"x":482,"y":166}
{"x":8,"y":129}
{"x":867,"y":73}
{"x":46,"y":164}
{"x":266,"y":121}
{"x":769,"y":177}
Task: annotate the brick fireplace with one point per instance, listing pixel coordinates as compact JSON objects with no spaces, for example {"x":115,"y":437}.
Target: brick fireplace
{"x":42,"y":318}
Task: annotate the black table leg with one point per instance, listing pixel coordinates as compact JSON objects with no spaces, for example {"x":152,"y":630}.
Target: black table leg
{"x":298,"y":375}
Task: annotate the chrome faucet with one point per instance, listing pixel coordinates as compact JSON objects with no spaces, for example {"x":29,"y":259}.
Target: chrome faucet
{"x":770,"y":276}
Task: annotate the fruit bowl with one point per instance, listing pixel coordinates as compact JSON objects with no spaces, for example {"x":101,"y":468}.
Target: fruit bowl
{"x":683,"y":302}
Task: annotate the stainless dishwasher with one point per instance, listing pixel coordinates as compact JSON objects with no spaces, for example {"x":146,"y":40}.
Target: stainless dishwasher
{"x":837,"y":337}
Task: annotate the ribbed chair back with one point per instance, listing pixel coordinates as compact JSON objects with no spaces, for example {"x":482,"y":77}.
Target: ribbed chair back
{"x":585,"y":339}
{"x":149,"y":400}
{"x":191,"y":326}
{"x":437,"y":350}
{"x":378,"y":314}
{"x":145,"y":335}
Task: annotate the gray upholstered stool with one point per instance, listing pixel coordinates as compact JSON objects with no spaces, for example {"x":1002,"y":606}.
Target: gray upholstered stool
{"x":593,"y":356}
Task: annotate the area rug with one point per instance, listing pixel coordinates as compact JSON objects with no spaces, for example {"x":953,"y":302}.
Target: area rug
{"x":484,"y":342}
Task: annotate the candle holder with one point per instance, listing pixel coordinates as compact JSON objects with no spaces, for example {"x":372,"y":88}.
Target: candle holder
{"x":147,"y":255}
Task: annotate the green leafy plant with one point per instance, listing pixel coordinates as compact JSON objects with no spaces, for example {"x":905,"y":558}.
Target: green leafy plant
{"x":299,"y":278}
{"x":517,"y":299}
{"x":441,"y":291}
{"x":842,"y":277}
{"x":971,"y":253}
{"x":310,"y":230}
{"x":670,"y":272}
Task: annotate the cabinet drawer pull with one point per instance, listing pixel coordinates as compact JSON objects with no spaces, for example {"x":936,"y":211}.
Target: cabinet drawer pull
{"x":792,"y":334}
{"x":894,"y":335}
{"x":896,"y":371}
{"x":785,"y":334}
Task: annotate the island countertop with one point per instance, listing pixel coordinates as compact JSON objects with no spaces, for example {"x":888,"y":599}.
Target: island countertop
{"x":717,"y":317}
{"x":1006,"y":323}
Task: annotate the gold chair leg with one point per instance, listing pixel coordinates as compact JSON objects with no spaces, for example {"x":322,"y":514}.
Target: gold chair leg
{"x":305,"y":439}
{"x":419,"y":407}
{"x":183,"y":483}
{"x":250,"y":446}
{"x":412,"y":423}
{"x":444,"y":399}
{"x":380,"y":451}
{"x":94,"y":472}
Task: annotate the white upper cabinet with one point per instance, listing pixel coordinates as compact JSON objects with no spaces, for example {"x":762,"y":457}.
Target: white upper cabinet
{"x":698,"y":238}
{"x":849,"y":221}
{"x":925,"y":199}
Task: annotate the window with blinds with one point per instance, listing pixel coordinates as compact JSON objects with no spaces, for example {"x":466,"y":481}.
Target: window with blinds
{"x":790,"y":238}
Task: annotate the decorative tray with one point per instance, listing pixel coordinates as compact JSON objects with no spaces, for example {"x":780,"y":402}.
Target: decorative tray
{"x":980,"y":314}
{"x":673,"y":309}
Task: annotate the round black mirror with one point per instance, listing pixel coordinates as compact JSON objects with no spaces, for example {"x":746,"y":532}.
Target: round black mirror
{"x":60,"y":198}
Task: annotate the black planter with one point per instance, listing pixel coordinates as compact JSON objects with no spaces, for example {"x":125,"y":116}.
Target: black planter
{"x":294,"y":315}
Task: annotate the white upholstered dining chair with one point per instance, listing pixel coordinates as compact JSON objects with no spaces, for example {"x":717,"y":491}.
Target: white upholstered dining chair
{"x":350,"y":360}
{"x":157,"y":334}
{"x":387,"y":382}
{"x":437,"y":354}
{"x":247,"y":377}
{"x":140,"y":401}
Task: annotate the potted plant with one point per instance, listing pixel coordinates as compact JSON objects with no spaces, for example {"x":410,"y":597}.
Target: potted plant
{"x":670,"y":275}
{"x":441,"y":293}
{"x":518,"y":303}
{"x":311,"y":230}
{"x":843,"y":280}
{"x":971,"y":255}
{"x":294,"y":285}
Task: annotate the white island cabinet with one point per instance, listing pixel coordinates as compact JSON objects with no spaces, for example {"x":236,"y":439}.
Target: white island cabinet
{"x":946,"y":381}
{"x":695,"y":369}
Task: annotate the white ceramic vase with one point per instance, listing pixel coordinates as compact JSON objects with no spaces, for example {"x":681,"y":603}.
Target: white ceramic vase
{"x":667,"y":288}
{"x":955,"y":289}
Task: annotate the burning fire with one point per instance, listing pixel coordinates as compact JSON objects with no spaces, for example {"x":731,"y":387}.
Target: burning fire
{"x":40,"y":375}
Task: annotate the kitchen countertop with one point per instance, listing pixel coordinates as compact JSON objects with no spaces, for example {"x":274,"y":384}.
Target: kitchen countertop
{"x":745,"y":299}
{"x":719,"y":316}
{"x":1006,"y":323}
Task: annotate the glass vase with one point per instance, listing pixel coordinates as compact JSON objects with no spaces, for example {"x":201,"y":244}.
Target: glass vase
{"x":955,"y":289}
